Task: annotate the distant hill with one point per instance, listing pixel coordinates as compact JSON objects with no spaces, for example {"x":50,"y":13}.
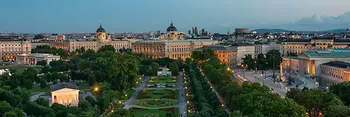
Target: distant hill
{"x":270,"y":30}
{"x":282,"y":30}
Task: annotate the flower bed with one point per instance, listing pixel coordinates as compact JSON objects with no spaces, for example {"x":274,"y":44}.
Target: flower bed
{"x":156,"y":103}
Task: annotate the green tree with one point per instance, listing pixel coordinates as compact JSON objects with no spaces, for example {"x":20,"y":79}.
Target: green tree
{"x":14,"y":83}
{"x":107,"y":48}
{"x":42,"y":102}
{"x":32,"y":108}
{"x":10,"y":114}
{"x":261,"y":62}
{"x":249,"y":62}
{"x":29,"y":84}
{"x":144,"y":69}
{"x":337,"y":111}
{"x":43,"y":83}
{"x":91,"y":79}
{"x":174,"y":68}
{"x":100,"y":76}
{"x":84,"y":105}
{"x":83,"y":64}
{"x":4,"y":107}
{"x":42,"y":63}
{"x":169,"y":114}
{"x":342,"y":91}
{"x":119,"y":112}
{"x":273,"y":58}
{"x":91,"y":100}
{"x":154,"y":68}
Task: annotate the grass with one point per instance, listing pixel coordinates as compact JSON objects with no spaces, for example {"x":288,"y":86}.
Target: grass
{"x":158,"y":93}
{"x":20,"y":69}
{"x":38,"y":89}
{"x":163,"y":79}
{"x":84,"y":87}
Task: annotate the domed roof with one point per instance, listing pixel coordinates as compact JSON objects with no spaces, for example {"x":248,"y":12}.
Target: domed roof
{"x":100,"y":29}
{"x":171,"y":28}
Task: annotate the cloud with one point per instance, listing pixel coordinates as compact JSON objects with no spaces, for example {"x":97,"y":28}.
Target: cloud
{"x":316,"y":23}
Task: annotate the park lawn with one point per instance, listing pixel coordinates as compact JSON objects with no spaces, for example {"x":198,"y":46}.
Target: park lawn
{"x":158,"y":93}
{"x":20,"y":69}
{"x":84,"y":87}
{"x":38,"y":89}
{"x":142,"y":113}
{"x":163,"y":79}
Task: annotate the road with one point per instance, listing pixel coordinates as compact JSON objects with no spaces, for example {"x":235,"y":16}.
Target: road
{"x":275,"y":86}
{"x":266,"y":79}
{"x":182,"y":96}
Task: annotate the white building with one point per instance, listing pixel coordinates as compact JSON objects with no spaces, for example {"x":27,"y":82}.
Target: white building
{"x":242,"y":50}
{"x":310,"y":61}
{"x":261,"y":48}
{"x":64,"y":93}
{"x":32,"y":59}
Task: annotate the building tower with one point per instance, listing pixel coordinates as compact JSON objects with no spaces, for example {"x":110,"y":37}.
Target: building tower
{"x":171,"y":32}
{"x":101,"y":33}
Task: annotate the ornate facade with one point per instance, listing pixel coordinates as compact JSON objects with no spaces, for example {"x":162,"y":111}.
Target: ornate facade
{"x":9,"y":49}
{"x":335,"y":72}
{"x":172,"y":34}
{"x":302,"y":45}
{"x":102,"y":39}
{"x":169,"y":48}
{"x":64,"y":93}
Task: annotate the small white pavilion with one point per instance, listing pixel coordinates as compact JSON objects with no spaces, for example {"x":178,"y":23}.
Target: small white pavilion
{"x":64,"y":93}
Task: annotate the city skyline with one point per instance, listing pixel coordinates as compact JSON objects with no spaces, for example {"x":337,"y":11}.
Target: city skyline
{"x":143,"y":16}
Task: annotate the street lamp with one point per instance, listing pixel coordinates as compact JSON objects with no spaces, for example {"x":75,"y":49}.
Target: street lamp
{"x":96,"y":89}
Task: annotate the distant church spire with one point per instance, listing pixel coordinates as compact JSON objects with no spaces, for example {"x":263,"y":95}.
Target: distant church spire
{"x":100,"y":25}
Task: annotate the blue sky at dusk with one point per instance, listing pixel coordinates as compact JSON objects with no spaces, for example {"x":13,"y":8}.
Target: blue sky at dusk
{"x":149,"y":15}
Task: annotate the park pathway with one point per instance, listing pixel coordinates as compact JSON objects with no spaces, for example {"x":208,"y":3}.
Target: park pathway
{"x":128,"y":104}
{"x":181,"y":96}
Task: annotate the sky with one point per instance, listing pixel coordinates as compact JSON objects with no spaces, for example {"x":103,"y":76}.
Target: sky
{"x":73,"y":16}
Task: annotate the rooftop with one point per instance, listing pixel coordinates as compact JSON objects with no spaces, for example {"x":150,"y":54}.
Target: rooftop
{"x":62,"y":85}
{"x":339,"y":64}
{"x":218,"y":47}
{"x":292,"y":57}
{"x":297,"y":40}
{"x":328,"y":53}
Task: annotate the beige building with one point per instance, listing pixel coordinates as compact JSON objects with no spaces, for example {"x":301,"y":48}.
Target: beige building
{"x":291,"y":64}
{"x":169,"y":48}
{"x":32,"y":59}
{"x":9,"y":49}
{"x":309,"y":62}
{"x":102,"y":39}
{"x":242,"y":50}
{"x":64,"y":93}
{"x":226,"y":54}
{"x":302,"y":45}
{"x":334,"y":72}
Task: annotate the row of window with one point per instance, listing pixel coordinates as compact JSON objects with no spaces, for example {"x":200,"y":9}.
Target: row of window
{"x":333,"y":73}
